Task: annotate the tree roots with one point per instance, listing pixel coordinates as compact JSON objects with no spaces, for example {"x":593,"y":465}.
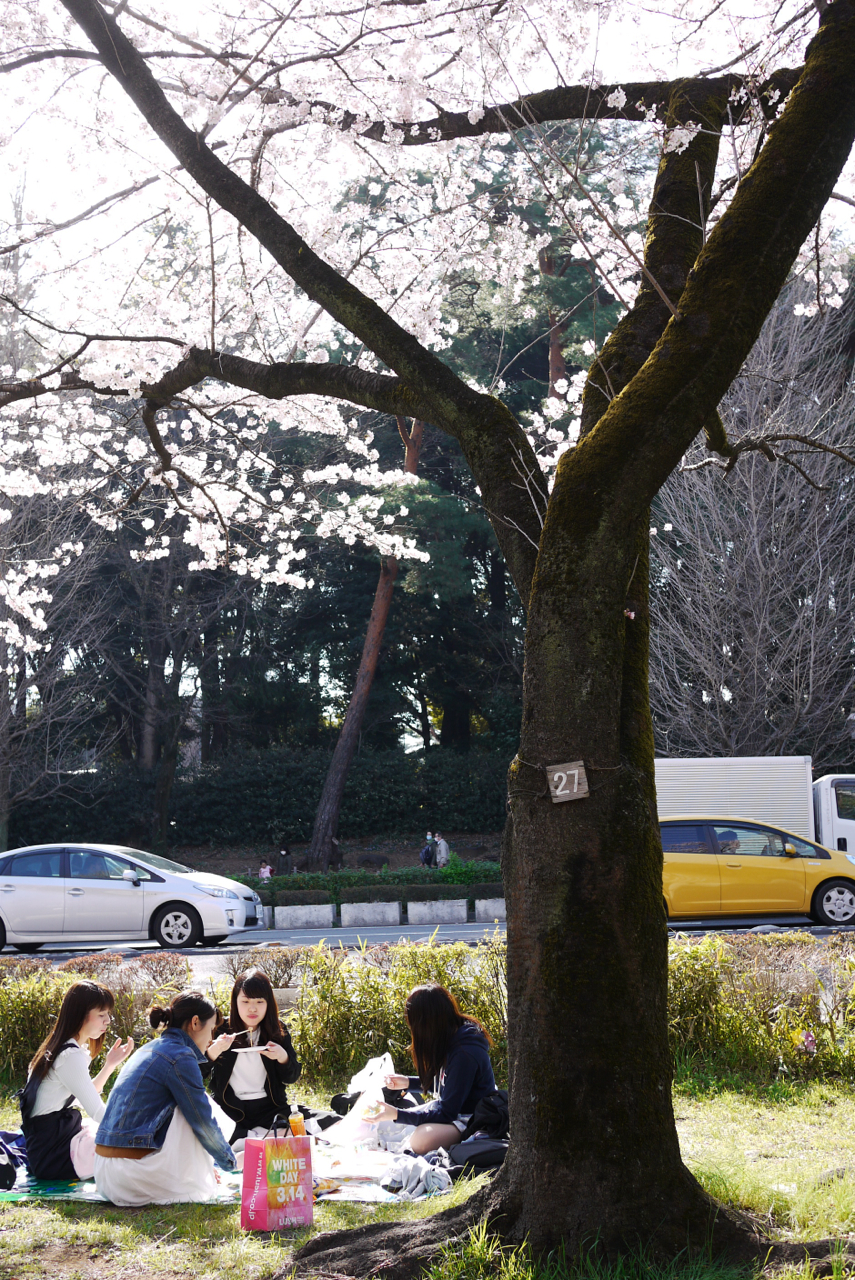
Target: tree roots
{"x":403,"y":1250}
{"x":397,"y":1251}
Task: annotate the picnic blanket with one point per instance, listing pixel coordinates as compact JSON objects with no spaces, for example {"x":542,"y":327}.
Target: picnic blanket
{"x":29,"y":1188}
{"x":366,"y":1174}
{"x":340,"y":1173}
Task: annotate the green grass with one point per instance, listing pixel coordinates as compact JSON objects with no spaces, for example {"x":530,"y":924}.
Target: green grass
{"x":482,"y":1257}
{"x":764,"y":1149}
{"x":195,"y":1242}
{"x":775,"y":1151}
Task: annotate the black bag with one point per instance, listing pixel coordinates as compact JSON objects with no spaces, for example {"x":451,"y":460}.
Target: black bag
{"x":400,"y":1098}
{"x":491,"y":1117}
{"x":8,"y":1167}
{"x":478,"y":1153}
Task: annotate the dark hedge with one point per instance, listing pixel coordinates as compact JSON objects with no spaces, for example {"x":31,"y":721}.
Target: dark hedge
{"x":300,"y":898}
{"x":270,"y":797}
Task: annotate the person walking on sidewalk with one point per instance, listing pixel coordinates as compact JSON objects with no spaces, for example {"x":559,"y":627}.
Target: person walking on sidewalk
{"x":427,"y":857}
{"x":442,"y":851}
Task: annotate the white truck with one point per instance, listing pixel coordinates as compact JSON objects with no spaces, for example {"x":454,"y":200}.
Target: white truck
{"x":776,"y":789}
{"x":834,"y":811}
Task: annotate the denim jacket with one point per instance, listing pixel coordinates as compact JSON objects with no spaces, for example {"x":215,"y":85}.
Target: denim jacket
{"x":162,"y":1075}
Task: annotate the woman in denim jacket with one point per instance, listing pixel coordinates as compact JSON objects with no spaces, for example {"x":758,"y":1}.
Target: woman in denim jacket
{"x":158,"y":1141}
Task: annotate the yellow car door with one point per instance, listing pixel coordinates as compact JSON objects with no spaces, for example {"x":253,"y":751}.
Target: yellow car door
{"x":757,"y":874}
{"x":691,"y":872}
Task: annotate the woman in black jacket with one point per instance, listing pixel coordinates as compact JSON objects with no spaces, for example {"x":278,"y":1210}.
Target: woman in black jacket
{"x":249,"y":1072}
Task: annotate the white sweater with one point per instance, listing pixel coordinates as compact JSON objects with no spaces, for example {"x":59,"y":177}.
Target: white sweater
{"x":69,"y":1078}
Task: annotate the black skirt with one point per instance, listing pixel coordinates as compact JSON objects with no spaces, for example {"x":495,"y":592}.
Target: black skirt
{"x":49,"y":1144}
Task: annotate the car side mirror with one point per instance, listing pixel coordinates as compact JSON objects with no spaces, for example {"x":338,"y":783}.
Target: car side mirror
{"x":791,"y":851}
{"x":131,"y":877}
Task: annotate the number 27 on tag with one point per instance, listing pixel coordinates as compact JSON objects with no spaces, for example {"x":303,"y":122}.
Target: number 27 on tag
{"x":567,"y":781}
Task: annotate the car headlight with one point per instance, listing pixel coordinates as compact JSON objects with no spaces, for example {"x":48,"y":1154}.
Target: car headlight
{"x":256,"y":898}
{"x":215,"y":891}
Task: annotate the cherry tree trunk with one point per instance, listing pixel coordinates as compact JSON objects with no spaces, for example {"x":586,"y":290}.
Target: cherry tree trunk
{"x":326,"y":818}
{"x":590,"y":1068}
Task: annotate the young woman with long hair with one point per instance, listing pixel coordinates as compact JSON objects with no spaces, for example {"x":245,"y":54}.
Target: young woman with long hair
{"x":250,"y":1086}
{"x":451,"y":1053}
{"x":159,"y":1140}
{"x":60,"y":1143}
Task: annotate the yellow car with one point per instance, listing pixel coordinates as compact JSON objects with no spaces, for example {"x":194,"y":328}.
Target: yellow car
{"x":733,"y":866}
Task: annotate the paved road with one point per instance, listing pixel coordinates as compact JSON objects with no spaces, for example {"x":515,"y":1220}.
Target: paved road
{"x":353,"y":937}
{"x":372,"y":935}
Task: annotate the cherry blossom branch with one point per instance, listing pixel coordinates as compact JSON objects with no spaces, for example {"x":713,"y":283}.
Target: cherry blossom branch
{"x":10,"y":392}
{"x":46,"y":55}
{"x":90,"y":337}
{"x":378,"y":391}
{"x":104,"y":205}
{"x":575,"y":102}
{"x":429,"y":377}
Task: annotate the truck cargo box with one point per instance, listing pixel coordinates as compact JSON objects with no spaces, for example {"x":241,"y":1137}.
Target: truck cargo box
{"x":773,"y":789}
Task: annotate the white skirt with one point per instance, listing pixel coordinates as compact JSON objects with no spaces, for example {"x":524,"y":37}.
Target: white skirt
{"x":181,"y":1171}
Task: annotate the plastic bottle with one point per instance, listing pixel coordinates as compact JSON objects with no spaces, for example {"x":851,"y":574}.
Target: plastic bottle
{"x":296,"y":1121}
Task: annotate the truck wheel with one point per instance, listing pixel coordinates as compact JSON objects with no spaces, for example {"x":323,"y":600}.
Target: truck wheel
{"x":176,"y":926}
{"x":834,"y":902}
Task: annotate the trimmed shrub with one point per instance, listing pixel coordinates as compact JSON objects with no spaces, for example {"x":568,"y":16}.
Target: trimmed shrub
{"x":351,"y":1008}
{"x":375,"y":893}
{"x":15,"y":967}
{"x":770,"y":1006}
{"x":301,"y":897}
{"x":165,"y":969}
{"x":767,"y":1006}
{"x":99,"y":967}
{"x":281,"y":964}
{"x":30,"y":1005}
{"x":493,"y":889}
{"x":436,"y":892}
{"x":457,"y":872}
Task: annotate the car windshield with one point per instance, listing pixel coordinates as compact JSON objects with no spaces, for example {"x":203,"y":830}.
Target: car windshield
{"x":162,"y":864}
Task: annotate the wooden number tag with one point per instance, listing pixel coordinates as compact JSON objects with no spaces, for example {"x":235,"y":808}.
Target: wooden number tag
{"x":567,"y":781}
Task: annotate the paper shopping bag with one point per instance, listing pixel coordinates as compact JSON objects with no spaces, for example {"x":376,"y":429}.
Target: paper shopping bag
{"x":277,"y":1183}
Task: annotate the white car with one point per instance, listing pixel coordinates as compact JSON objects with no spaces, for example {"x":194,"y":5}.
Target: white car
{"x":83,"y":893}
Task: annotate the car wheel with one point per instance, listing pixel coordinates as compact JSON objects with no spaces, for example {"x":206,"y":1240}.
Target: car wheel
{"x":176,"y":926}
{"x":2,"y":935}
{"x":834,"y":902}
{"x":27,"y":947}
{"x":215,"y":942}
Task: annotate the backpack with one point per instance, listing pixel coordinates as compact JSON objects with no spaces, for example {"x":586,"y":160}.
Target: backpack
{"x":490,"y":1119}
{"x":478,"y":1153}
{"x":12,"y":1157}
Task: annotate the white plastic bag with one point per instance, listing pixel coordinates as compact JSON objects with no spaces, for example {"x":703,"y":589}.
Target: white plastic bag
{"x":353,"y":1128}
{"x":375,"y":1068}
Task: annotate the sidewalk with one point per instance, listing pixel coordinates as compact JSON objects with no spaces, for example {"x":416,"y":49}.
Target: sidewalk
{"x":370,"y":934}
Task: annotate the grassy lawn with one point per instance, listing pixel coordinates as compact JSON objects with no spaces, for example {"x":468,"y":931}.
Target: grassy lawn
{"x":784,"y":1153}
{"x":766,"y":1150}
